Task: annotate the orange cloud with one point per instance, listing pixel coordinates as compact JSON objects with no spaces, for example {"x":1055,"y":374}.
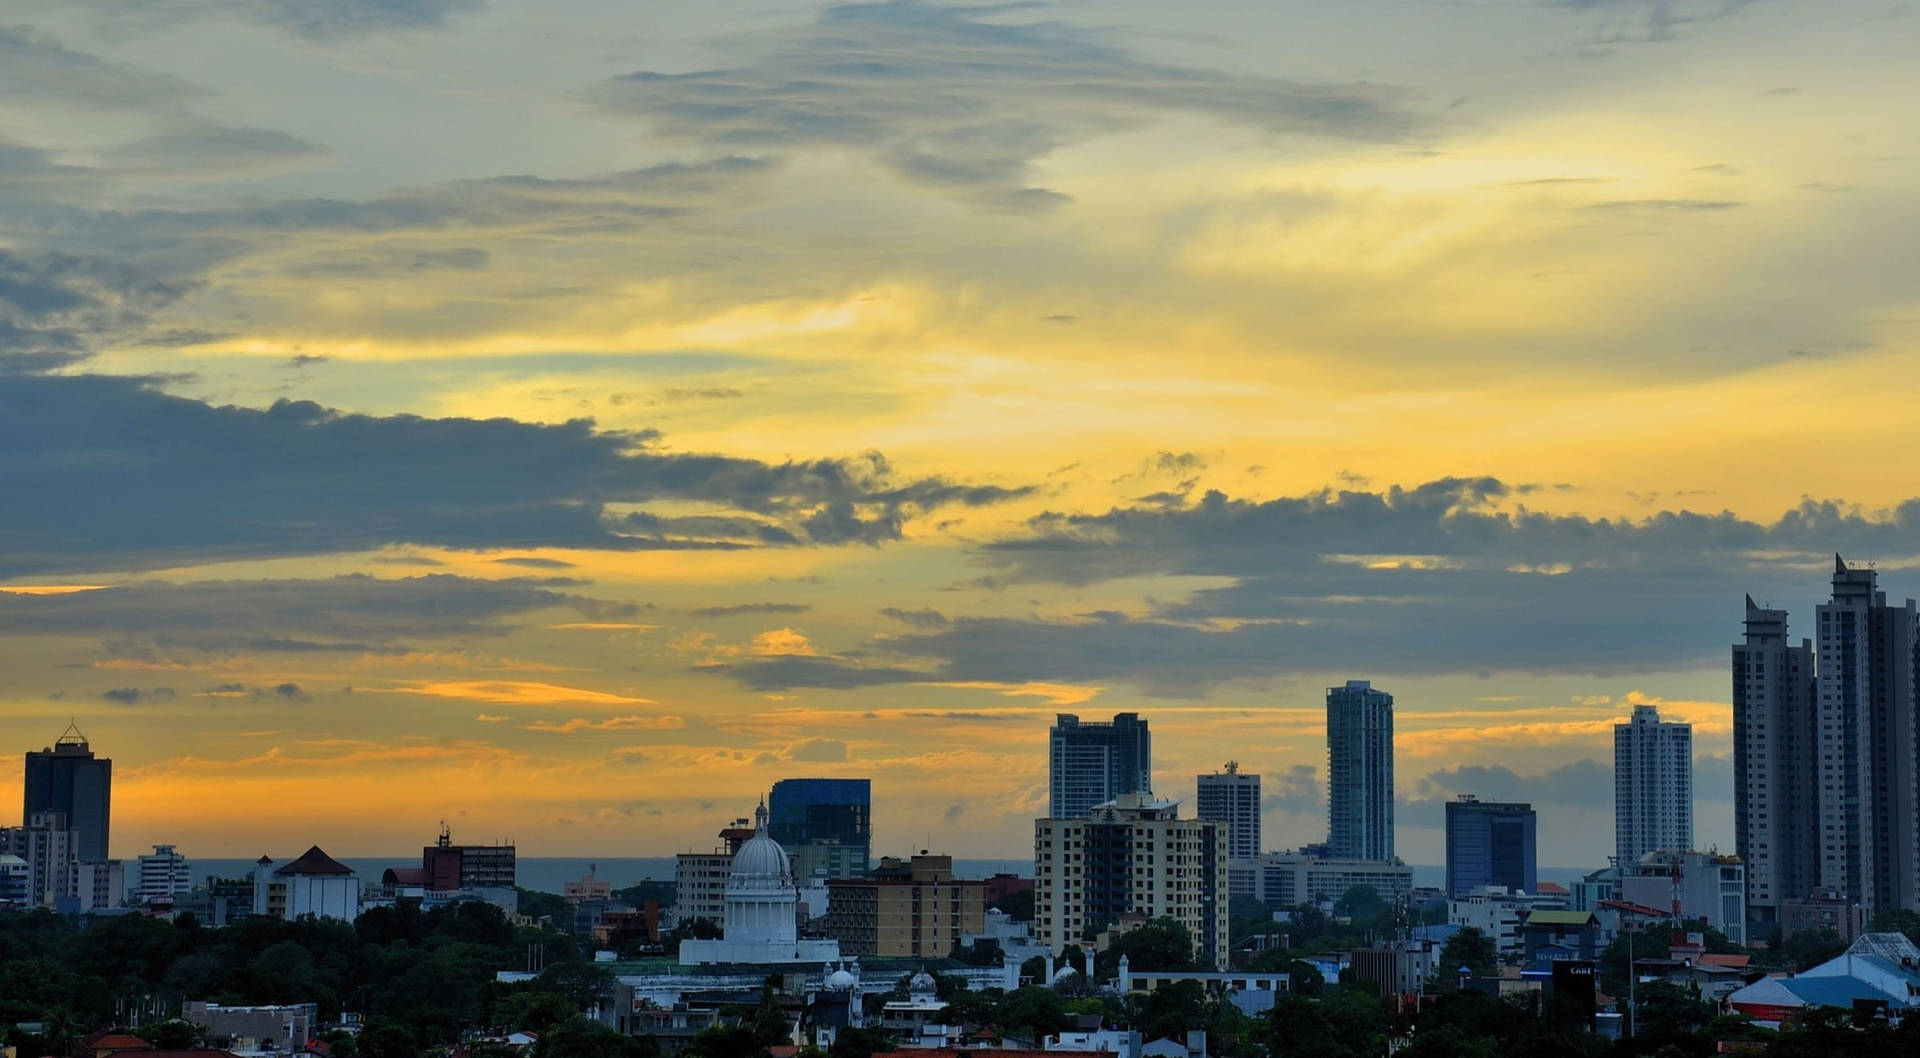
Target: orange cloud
{"x":616,"y":723}
{"x":515,"y":692}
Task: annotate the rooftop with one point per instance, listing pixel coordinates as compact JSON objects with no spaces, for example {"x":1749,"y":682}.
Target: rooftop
{"x":312,"y":862}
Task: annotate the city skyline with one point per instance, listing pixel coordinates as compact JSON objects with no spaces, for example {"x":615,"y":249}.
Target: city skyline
{"x":448,"y":411}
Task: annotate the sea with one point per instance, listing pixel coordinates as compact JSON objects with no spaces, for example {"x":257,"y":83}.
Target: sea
{"x":549,"y":874}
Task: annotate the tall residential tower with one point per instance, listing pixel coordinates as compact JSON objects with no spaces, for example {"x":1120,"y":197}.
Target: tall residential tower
{"x":1359,"y":772}
{"x":1233,"y":798}
{"x":1089,"y":764}
{"x":1652,"y":786}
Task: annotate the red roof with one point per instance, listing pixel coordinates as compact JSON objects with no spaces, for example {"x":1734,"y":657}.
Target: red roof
{"x":313,"y":861}
{"x":1732,"y":962}
{"x":986,"y":1052}
{"x":1550,"y":887}
{"x":116,"y":1041}
{"x":405,"y":876}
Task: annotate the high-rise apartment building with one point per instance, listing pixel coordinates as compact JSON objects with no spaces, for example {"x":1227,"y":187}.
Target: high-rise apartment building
{"x":1232,"y":797}
{"x":824,"y":824}
{"x":49,"y":845}
{"x":1490,"y":843}
{"x":67,"y":779}
{"x":161,"y":875}
{"x":914,"y":909}
{"x":1092,"y":763}
{"x":1865,"y":712}
{"x":1359,"y":772}
{"x":1652,"y":786}
{"x":1775,"y":752}
{"x":1131,"y":855}
{"x":700,"y":878}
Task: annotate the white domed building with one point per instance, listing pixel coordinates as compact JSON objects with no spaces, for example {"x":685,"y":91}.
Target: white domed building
{"x":762,"y":919}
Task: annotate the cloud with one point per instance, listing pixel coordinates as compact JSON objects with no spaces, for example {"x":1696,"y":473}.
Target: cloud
{"x":290,"y":692}
{"x":1296,"y":791}
{"x":965,"y":100}
{"x":35,"y":66}
{"x":315,"y":20}
{"x":56,"y":307}
{"x":916,"y":618}
{"x":1648,"y":21}
{"x":614,"y":723}
{"x":817,"y":750}
{"x":209,"y":151}
{"x":750,"y":608}
{"x":137,"y":696}
{"x":515,"y":692}
{"x":1585,"y":782}
{"x":350,"y":614}
{"x":295,"y":478}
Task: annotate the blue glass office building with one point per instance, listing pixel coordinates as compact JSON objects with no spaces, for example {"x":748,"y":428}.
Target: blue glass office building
{"x":824,"y":824}
{"x":1490,"y":843}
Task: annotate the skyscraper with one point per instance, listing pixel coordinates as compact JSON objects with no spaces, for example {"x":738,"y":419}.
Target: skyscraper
{"x":67,"y":779}
{"x":1359,"y":772}
{"x":1866,"y":743}
{"x":1652,"y":786}
{"x":1775,"y":752}
{"x":1490,"y":843}
{"x":1133,"y":856}
{"x":1093,"y":763}
{"x":1233,"y":799}
{"x":823,"y":824}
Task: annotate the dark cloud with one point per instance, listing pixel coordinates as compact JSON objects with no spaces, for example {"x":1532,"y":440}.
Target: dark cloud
{"x":535,"y":562}
{"x":916,"y":618}
{"x":211,"y":151}
{"x":794,"y":670}
{"x":1663,"y":205}
{"x":1648,"y":21}
{"x":1453,"y":576}
{"x":1296,"y":791}
{"x":137,"y":696}
{"x":1585,"y":782}
{"x":55,"y":308}
{"x":954,"y":812}
{"x":317,"y":20}
{"x":346,"y":614}
{"x":290,"y":692}
{"x":965,"y":100}
{"x":37,"y":67}
{"x":750,"y":608}
{"x":77,"y":453}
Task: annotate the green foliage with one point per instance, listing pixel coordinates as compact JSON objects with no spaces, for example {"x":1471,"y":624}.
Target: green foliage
{"x":385,"y":1038}
{"x":533,"y":1010}
{"x":987,"y":954}
{"x":1343,"y":1024}
{"x":1447,"y":1042}
{"x":1470,"y":948}
{"x":538,"y":905}
{"x":425,"y":974}
{"x":1807,"y":949}
{"x":859,"y":1043}
{"x":171,"y":1035}
{"x":578,"y":1037}
{"x":1159,"y":944}
{"x":725,"y":1041}
{"x":637,"y":894}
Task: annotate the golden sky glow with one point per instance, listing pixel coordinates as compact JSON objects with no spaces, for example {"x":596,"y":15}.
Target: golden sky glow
{"x":703,"y":396}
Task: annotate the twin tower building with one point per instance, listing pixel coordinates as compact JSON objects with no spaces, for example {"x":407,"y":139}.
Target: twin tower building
{"x":1826,"y":753}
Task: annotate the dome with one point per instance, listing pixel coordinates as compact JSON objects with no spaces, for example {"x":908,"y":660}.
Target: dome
{"x":761,"y":863}
{"x":921,"y":982}
{"x":842,"y":981}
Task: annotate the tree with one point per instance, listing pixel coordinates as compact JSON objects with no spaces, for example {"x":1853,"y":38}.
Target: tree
{"x":171,"y":1035}
{"x":1343,"y":1024}
{"x":534,"y":1010}
{"x":769,"y":1023}
{"x":386,"y":1038}
{"x":578,"y":1037}
{"x":1360,"y":901}
{"x":1159,"y":944}
{"x":1807,"y":948}
{"x":1446,"y":1042}
{"x":583,"y":983}
{"x":1305,"y":923}
{"x":1169,"y":1011}
{"x":724,"y":1041}
{"x":859,"y":1043}
{"x":1470,"y":948}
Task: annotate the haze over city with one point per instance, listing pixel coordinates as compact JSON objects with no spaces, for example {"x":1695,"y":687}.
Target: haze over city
{"x":567,"y":420}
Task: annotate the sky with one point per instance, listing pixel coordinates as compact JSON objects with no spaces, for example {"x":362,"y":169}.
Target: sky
{"x":566,"y":420}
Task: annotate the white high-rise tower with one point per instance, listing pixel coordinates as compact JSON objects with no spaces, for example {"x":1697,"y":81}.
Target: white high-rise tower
{"x":1652,"y":786}
{"x":1359,"y":772}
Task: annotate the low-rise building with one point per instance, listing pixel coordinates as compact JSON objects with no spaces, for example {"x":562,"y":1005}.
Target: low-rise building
{"x":100,"y":885}
{"x":16,"y":881}
{"x":909,"y":909}
{"x":1823,"y":912}
{"x":1498,"y":912}
{"x":1131,"y":855}
{"x":50,"y":847}
{"x":254,"y":1030}
{"x":162,"y":874}
{"x":1288,"y":879}
{"x":315,"y":884}
{"x":1877,"y":969}
{"x":1705,"y":886}
{"x":1550,"y":936}
{"x":700,"y":878}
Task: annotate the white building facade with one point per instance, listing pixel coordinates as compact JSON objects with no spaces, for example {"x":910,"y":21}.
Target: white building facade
{"x":760,"y":923}
{"x":1359,"y":772}
{"x":1706,"y":886}
{"x":162,"y":874}
{"x":1652,"y":785}
{"x":1232,"y":797}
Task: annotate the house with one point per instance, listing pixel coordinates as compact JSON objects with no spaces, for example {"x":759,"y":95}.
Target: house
{"x":1547,"y":937}
{"x":1877,"y":969}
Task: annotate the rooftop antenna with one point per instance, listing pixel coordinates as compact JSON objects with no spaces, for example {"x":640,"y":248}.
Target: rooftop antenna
{"x":72,"y":736}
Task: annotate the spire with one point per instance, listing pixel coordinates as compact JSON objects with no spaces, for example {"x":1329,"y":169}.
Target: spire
{"x":760,"y":816}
